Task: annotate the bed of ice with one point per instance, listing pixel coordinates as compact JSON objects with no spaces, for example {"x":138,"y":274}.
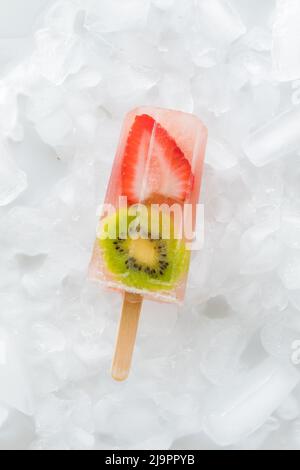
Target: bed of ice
{"x":223,"y":371}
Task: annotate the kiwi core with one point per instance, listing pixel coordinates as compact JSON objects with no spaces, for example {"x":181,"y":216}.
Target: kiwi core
{"x":143,"y":251}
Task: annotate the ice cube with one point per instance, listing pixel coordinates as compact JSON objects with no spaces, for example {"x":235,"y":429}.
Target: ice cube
{"x":290,"y":228}
{"x":29,"y":229}
{"x":278,"y":336}
{"x":178,"y":18}
{"x":163,"y":4}
{"x":13,"y":181}
{"x":213,"y":89}
{"x":15,"y":389}
{"x":259,"y":39}
{"x":4,"y":413}
{"x":220,"y":21}
{"x":123,"y":424}
{"x":87,"y":77}
{"x":286,"y":40}
{"x":219,"y":155}
{"x":289,"y":410}
{"x":132,"y":14}
{"x":58,"y":56}
{"x":47,"y":338}
{"x":294,"y":296}
{"x":276,"y":139}
{"x":8,"y":110}
{"x":221,"y":354}
{"x":259,"y":250}
{"x":221,"y":209}
{"x":245,"y":407}
{"x":201,"y":50}
{"x":43,"y":101}
{"x":79,"y":439}
{"x":86,"y":126}
{"x":257,"y":439}
{"x":63,"y":17}
{"x":274,"y":295}
{"x":175,"y":93}
{"x":289,"y":271}
{"x":173,"y":51}
{"x":266,"y":102}
{"x":127,"y":85}
{"x":12,"y":25}
{"x":266,"y":185}
{"x":54,"y":128}
{"x":17,"y":432}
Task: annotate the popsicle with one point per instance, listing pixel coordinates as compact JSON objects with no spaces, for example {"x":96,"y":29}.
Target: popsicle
{"x":142,"y":247}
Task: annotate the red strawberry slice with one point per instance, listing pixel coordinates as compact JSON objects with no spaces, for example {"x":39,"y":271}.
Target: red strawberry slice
{"x":153,"y":164}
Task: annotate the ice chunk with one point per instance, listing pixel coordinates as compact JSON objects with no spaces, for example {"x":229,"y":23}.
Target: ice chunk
{"x":290,"y":229}
{"x":220,"y":21}
{"x":8,"y":110}
{"x":124,"y":424}
{"x":247,"y":406}
{"x":274,"y":295}
{"x":86,"y":126}
{"x":47,"y":338}
{"x":221,"y":209}
{"x":29,"y":229}
{"x":80,"y":439}
{"x":43,"y":101}
{"x":47,"y":278}
{"x":15,"y":390}
{"x":116,"y":15}
{"x":13,"y":180}
{"x":266,"y":185}
{"x":289,"y":410}
{"x":180,"y":16}
{"x":286,"y":40}
{"x":266,"y":101}
{"x":4,"y":413}
{"x":221,"y":354}
{"x":126,"y":85}
{"x":12,"y":25}
{"x":259,"y":250}
{"x":64,"y":17}
{"x":279,"y":137}
{"x":290,"y":271}
{"x":55,"y":128}
{"x":280,"y":337}
{"x":87,"y":77}
{"x":163,"y":4}
{"x":259,"y":39}
{"x":219,"y":155}
{"x":17,"y":432}
{"x":202,"y":52}
{"x":174,"y":53}
{"x":59,"y":56}
{"x":215,"y":88}
{"x":68,"y":419}
{"x":175,"y":93}
{"x":294,"y":297}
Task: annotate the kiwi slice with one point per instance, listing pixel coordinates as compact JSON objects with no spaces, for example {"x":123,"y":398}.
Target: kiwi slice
{"x":143,"y":263}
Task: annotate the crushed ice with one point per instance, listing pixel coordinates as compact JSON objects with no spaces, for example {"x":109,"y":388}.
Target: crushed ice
{"x":224,"y":367}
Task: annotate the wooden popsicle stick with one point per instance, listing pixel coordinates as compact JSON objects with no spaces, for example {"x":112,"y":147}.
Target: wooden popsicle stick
{"x":128,"y":326}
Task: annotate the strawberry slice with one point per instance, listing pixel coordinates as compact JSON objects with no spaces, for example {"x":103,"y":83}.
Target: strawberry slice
{"x":153,"y":166}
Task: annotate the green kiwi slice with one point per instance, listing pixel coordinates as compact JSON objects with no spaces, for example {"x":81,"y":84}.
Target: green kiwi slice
{"x":143,"y":263}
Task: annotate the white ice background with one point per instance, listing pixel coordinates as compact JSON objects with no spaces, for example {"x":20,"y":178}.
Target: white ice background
{"x":223,"y":370}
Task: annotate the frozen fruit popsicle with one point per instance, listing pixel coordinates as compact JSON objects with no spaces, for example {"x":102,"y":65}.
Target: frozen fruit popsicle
{"x":141,"y":246}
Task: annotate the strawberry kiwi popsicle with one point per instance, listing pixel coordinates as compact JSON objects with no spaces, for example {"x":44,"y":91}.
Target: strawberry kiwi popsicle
{"x":141,"y":248}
